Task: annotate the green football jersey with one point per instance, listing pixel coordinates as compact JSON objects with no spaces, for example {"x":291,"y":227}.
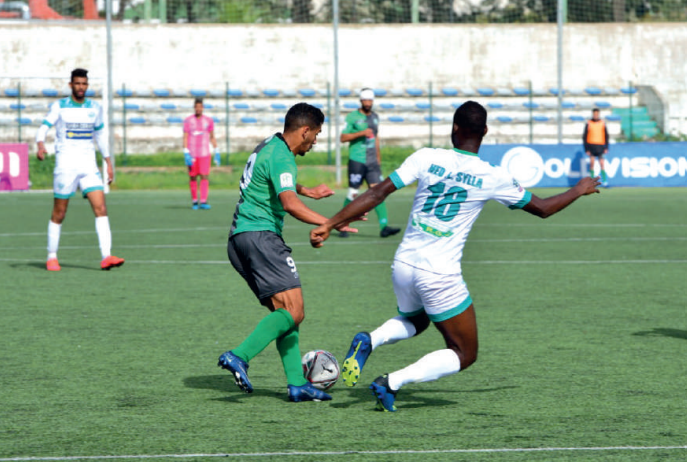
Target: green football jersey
{"x":270,"y":170}
{"x":362,"y":149}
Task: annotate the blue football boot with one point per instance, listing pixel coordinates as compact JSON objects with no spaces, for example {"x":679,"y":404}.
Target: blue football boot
{"x":385,"y":396}
{"x":205,"y":206}
{"x":238,"y":368}
{"x":306,"y":392}
{"x":352,"y":367}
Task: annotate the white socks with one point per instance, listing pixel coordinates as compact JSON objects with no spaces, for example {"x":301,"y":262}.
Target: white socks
{"x":102,"y":227}
{"x":53,"y":239}
{"x":430,"y":367}
{"x":395,"y":329}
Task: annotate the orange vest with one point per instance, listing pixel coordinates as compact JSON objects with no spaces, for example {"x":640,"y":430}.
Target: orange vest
{"x":596,"y":133}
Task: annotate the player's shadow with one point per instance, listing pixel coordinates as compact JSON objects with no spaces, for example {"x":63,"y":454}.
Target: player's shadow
{"x":225,"y":384}
{"x":41,"y":266}
{"x":180,"y":207}
{"x":663,"y":332}
{"x":412,"y":398}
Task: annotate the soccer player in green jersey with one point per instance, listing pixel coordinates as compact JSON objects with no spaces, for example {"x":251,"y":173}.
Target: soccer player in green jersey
{"x":364,"y":156}
{"x":257,"y":251}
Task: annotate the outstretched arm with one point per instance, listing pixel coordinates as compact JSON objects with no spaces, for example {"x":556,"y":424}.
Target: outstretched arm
{"x":358,"y":208}
{"x":297,"y":209}
{"x":318,"y":192}
{"x":544,"y":208}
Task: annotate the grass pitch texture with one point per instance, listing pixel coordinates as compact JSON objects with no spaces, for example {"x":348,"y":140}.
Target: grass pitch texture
{"x":583,"y":337}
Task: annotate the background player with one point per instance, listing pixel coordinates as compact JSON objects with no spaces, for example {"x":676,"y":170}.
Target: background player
{"x":595,"y":138}
{"x":453,"y":187}
{"x":257,"y":251}
{"x":364,"y":156}
{"x":199,"y":133}
{"x":77,"y":121}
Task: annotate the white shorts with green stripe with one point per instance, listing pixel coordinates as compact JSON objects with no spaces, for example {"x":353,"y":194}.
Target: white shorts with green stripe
{"x":66,"y":182}
{"x":441,"y":296}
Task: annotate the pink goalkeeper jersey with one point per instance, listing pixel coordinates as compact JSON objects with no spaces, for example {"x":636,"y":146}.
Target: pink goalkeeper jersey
{"x":199,"y":129}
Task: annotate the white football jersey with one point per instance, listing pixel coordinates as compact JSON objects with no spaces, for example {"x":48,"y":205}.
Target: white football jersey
{"x":453,"y":187}
{"x":75,"y":125}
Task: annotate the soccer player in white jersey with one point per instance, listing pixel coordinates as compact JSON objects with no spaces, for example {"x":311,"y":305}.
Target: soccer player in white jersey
{"x":77,"y":121}
{"x":453,"y":187}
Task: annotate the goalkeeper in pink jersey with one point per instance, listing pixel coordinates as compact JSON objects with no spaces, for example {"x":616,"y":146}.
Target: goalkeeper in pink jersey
{"x":199,"y":134}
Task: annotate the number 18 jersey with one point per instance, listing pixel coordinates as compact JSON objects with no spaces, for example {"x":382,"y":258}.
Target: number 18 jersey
{"x":452,"y":188}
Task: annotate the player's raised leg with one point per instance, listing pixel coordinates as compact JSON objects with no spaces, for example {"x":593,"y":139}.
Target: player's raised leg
{"x":102,"y":227}
{"x":59,"y":211}
{"x":460,"y":335}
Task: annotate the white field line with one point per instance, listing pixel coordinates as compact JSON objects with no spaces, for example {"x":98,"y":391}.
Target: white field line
{"x":359,"y":242}
{"x":296,"y":225}
{"x":384,"y":262}
{"x":347,"y":453}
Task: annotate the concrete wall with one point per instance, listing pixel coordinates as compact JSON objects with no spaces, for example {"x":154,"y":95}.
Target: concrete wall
{"x":392,"y":56}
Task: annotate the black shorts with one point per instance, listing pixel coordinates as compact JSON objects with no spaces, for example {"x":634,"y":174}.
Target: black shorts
{"x":596,"y":150}
{"x":357,"y":172}
{"x":264,"y":261}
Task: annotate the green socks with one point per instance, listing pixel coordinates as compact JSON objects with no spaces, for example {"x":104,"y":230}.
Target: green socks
{"x":603,"y":175}
{"x":382,"y":215}
{"x":272,"y":326}
{"x":347,"y":201}
{"x":290,"y":353}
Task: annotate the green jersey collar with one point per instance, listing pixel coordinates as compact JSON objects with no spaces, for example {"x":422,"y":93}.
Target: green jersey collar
{"x":74,"y":103}
{"x":467,"y":153}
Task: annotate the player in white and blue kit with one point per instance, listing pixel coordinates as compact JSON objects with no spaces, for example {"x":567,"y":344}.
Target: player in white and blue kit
{"x":77,"y":121}
{"x":453,"y":185}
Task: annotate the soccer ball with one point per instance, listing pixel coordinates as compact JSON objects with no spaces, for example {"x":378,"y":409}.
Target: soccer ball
{"x":320,"y":368}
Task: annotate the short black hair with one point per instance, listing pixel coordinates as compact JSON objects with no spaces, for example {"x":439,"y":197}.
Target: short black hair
{"x":596,"y":109}
{"x":78,"y":72}
{"x":198,"y":101}
{"x":471,"y":117}
{"x":303,"y":114}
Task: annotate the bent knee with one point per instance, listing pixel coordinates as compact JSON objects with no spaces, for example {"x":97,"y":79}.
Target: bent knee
{"x":467,"y":358}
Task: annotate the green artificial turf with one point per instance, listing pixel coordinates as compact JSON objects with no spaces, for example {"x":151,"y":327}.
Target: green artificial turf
{"x":582,"y":324}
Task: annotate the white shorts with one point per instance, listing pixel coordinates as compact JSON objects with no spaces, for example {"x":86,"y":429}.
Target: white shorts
{"x":65,"y":183}
{"x":441,"y":296}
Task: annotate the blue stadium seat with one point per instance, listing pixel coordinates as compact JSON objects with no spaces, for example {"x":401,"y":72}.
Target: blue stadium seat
{"x":216,"y":119}
{"x":529,"y":105}
{"x":168,"y":106}
{"x":396,"y":119}
{"x":594,"y":91}
{"x":614,"y":118}
{"x":249,"y":120}
{"x":161,"y":92}
{"x":15,"y":106}
{"x":449,"y":91}
{"x":198,"y":93}
{"x":122,"y":92}
{"x":318,"y":105}
{"x":576,"y":118}
{"x":380,"y":92}
{"x":345,"y":92}
{"x":350,"y":105}
{"x":387,"y":105}
{"x":306,"y":92}
{"x":495,"y":105}
{"x":432,"y":119}
{"x":208,"y":105}
{"x":234,"y":93}
{"x":628,"y":90}
{"x":241,"y":106}
{"x":137,"y":120}
{"x":541,"y":118}
{"x":90,"y":93}
{"x":175,"y":120}
{"x":414,"y":91}
{"x":567,"y":105}
{"x":270,"y":92}
{"x":281,"y":119}
{"x":23,"y":121}
{"x":422,"y":105}
{"x":504,"y":119}
{"x":11,"y":92}
{"x":456,"y":105}
{"x":602,"y":104}
{"x":521,"y":91}
{"x":131,"y":107}
{"x":278,"y":106}
{"x":485,"y":91}
{"x":50,"y":92}
{"x":554,"y":91}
